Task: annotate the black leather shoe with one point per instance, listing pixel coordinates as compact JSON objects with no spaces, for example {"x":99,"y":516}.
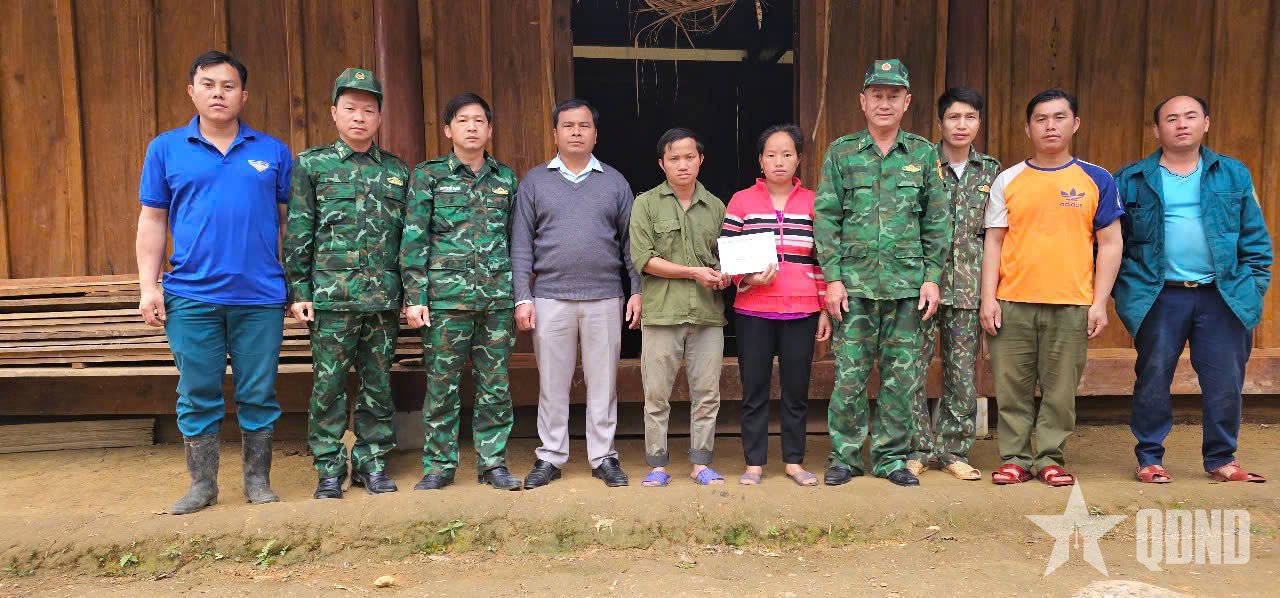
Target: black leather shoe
{"x":374,"y":483}
{"x":330,"y":487}
{"x":611,"y":472}
{"x":836,"y":476}
{"x":500,"y":478}
{"x":541,"y":475}
{"x":432,"y":481}
{"x":903,"y":477}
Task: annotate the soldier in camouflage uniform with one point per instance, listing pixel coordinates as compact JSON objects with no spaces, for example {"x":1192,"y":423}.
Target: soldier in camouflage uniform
{"x":882,"y":229}
{"x":456,"y":266}
{"x":968,"y":175}
{"x":346,"y":210}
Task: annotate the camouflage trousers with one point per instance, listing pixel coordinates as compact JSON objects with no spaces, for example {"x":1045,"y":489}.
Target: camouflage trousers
{"x":949,"y":439}
{"x":340,"y":340}
{"x":887,"y":332}
{"x":488,"y":338}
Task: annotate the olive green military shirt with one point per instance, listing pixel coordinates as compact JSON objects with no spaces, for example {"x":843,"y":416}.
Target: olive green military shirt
{"x":456,"y":251}
{"x":961,"y":282}
{"x":881,"y":222}
{"x":661,"y":227}
{"x":342,"y":236}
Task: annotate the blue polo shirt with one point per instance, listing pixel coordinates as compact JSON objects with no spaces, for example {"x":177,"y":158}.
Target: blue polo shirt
{"x":222,"y":213}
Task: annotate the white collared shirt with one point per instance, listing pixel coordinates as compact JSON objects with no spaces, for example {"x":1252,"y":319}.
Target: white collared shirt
{"x":569,"y":175}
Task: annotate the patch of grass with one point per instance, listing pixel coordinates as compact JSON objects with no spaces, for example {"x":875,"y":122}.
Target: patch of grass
{"x":172,"y":551}
{"x":17,"y":571}
{"x":268,"y":554}
{"x":846,"y":534}
{"x":452,"y":529}
{"x":1257,"y":529}
{"x":772,"y":532}
{"x":737,"y":535}
{"x":128,"y":560}
{"x":1095,"y":510}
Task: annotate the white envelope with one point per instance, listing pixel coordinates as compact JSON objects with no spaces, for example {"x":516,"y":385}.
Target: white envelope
{"x":747,"y":254}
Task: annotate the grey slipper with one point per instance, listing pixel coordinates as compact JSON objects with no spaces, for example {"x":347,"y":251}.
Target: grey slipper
{"x":749,"y":479}
{"x":803,"y":478}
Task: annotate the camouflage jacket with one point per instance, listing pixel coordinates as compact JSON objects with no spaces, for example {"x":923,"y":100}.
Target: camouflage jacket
{"x":456,"y":252}
{"x":881,"y":223}
{"x":342,"y":240}
{"x":962,"y":271}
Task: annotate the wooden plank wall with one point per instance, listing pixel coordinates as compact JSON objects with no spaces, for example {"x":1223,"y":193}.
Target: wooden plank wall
{"x":1119,"y":58}
{"x":85,"y":85}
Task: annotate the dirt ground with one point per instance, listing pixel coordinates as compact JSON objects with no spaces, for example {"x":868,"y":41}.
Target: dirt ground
{"x":90,"y":523}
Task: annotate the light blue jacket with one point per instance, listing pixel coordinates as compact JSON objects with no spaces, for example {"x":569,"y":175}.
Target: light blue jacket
{"x":1238,"y":238}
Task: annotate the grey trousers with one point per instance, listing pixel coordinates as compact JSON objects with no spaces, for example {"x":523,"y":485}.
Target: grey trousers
{"x":701,"y":348}
{"x":560,"y":327}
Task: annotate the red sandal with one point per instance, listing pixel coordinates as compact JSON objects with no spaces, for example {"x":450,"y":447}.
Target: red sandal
{"x":1047,"y":475}
{"x":1154,"y":474}
{"x":1012,"y":475}
{"x":1239,"y":475}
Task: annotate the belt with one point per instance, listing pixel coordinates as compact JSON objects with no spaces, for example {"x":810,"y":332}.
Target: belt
{"x":1188,"y":284}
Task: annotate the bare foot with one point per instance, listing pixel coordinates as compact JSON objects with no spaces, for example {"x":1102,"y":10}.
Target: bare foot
{"x":751,"y":477}
{"x":800,"y":476}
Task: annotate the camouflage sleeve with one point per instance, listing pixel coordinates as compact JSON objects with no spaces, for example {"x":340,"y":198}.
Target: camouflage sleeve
{"x":936,"y":219}
{"x":299,"y":235}
{"x":827,"y":213}
{"x":415,"y":241}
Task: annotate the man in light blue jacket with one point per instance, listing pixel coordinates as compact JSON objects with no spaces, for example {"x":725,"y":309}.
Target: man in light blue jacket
{"x":1196,"y":266}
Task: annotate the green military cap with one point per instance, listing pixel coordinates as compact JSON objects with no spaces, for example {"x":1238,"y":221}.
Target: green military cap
{"x":887,"y":72}
{"x":354,"y":78}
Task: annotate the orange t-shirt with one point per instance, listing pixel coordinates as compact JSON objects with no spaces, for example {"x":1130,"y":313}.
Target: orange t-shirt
{"x":1051,"y":215}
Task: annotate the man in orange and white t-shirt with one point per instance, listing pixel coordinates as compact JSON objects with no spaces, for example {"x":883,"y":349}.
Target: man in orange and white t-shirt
{"x":1043,"y":293}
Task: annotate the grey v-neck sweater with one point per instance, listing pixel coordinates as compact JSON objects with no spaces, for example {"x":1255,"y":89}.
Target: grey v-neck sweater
{"x":572,"y":237}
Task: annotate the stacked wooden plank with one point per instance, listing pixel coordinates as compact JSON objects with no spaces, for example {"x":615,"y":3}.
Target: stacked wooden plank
{"x":85,"y":322}
{"x":102,"y":433}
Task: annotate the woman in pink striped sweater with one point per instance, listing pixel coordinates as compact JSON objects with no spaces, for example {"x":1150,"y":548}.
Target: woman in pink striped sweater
{"x":778,"y":311}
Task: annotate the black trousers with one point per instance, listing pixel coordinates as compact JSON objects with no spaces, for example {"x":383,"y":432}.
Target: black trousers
{"x":759,"y":339}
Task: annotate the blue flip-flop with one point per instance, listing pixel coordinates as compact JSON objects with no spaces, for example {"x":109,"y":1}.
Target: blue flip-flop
{"x":655,"y":476}
{"x":708,"y":475}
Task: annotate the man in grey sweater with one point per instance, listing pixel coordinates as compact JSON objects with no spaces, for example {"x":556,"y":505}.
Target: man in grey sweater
{"x":570,"y":235}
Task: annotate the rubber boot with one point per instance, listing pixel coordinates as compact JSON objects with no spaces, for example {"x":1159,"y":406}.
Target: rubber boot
{"x":202,"y":463}
{"x":256,"y":454}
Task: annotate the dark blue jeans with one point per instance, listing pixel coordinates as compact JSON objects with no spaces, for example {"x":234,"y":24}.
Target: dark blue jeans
{"x":1220,"y":347}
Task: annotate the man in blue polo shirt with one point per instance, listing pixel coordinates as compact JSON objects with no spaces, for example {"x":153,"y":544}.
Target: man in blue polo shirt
{"x":216,"y":183}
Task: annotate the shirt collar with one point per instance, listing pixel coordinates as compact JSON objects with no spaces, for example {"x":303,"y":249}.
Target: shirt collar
{"x":454,"y":163}
{"x":973,"y":158}
{"x":242,"y":132}
{"x":763,"y":186}
{"x":1152,"y":163}
{"x":345,"y":151}
{"x":699,"y":192}
{"x":1164,"y":170}
{"x":592,"y":164}
{"x":868,"y":141}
